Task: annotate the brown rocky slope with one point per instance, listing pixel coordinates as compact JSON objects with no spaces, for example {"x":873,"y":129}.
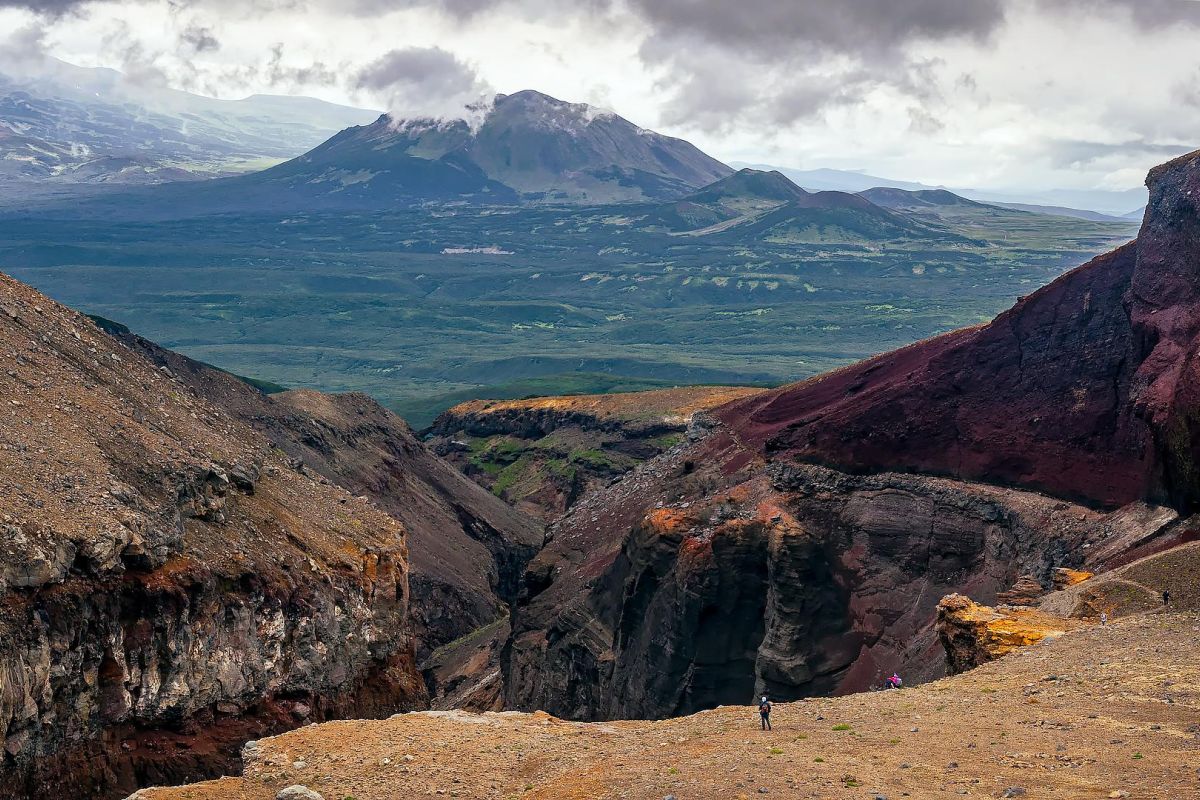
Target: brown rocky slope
{"x":170,"y":585}
{"x":801,"y":543}
{"x":467,"y":548}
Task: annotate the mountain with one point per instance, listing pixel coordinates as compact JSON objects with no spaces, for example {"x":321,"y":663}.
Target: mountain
{"x":63,"y":123}
{"x":1063,"y":211}
{"x":835,"y":180}
{"x":799,"y":544}
{"x":529,"y":147}
{"x":745,"y":193}
{"x":752,"y":205}
{"x":832,"y":218}
{"x":748,"y":190}
{"x":922,"y":199}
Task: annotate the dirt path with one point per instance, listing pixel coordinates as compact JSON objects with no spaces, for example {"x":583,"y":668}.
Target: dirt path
{"x":1099,"y":712}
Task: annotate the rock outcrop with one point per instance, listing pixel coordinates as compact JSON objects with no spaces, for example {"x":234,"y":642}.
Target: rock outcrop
{"x":170,"y":585}
{"x":467,"y":548}
{"x":972,"y":634}
{"x":800,"y":543}
{"x":792,"y":579}
{"x":543,"y":454}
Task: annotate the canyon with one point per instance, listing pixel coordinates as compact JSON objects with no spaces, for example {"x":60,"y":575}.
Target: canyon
{"x":544,"y":454}
{"x":800,"y":542}
{"x":189,"y":563}
{"x":1078,"y":709}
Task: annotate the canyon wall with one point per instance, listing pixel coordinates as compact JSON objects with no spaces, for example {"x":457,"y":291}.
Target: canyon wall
{"x":170,"y":584}
{"x":801,"y":542}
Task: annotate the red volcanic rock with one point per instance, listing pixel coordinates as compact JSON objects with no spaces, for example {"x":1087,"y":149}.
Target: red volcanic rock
{"x":813,"y":527}
{"x":1085,"y":389}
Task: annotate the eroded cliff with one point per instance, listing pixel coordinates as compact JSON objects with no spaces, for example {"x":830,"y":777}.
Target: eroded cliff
{"x":801,"y":542}
{"x":170,"y":585}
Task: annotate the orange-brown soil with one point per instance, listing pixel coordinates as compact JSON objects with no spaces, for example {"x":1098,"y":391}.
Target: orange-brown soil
{"x":1099,"y":712}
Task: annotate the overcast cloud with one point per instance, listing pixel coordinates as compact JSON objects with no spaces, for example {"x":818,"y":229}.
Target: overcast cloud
{"x":992,"y":93}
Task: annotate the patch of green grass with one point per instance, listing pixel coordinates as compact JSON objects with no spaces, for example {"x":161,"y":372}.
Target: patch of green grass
{"x":842,"y":727}
{"x":510,"y":475}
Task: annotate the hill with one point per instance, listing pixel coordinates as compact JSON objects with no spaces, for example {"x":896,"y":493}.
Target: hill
{"x":169,"y":584}
{"x":198,"y":563}
{"x":798,"y":543}
{"x":922,"y":199}
{"x":544,"y":454}
{"x":466,"y":548}
{"x":752,"y":206}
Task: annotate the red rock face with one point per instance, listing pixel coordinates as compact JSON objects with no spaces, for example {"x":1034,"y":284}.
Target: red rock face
{"x":1086,"y":389}
{"x":882,"y":487}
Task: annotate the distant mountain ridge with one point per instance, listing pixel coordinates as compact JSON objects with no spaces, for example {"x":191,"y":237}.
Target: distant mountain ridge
{"x":1055,"y":202}
{"x":766,"y":205}
{"x":73,"y":124}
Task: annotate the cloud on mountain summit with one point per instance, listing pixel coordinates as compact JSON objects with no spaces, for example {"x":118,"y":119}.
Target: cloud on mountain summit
{"x":422,"y":81}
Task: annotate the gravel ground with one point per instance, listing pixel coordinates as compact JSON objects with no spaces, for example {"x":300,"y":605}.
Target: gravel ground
{"x":1101,"y":712}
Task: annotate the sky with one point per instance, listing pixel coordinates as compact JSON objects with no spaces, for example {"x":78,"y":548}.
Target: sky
{"x":995,"y":94}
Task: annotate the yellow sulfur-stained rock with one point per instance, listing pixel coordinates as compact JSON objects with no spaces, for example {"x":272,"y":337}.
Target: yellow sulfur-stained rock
{"x":973,"y":634}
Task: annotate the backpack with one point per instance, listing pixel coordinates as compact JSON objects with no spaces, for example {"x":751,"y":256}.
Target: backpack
{"x":765,"y":708}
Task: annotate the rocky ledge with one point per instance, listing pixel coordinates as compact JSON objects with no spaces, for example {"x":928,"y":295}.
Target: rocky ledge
{"x":1099,"y":712}
{"x":170,"y":585}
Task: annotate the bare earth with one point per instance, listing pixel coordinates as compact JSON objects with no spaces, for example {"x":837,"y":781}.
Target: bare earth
{"x":1103,"y":711}
{"x":681,"y":402}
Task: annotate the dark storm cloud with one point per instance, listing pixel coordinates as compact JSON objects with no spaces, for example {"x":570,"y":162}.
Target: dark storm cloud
{"x":1073,"y":153}
{"x":429,"y":70}
{"x":763,"y":29}
{"x":1146,"y":14}
{"x":805,"y":56}
{"x":424,"y":82}
{"x":47,"y":8}
{"x":198,"y":38}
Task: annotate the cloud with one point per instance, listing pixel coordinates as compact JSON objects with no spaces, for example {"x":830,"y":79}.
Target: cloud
{"x":198,"y":38}
{"x":422,"y":81}
{"x":1075,"y":153}
{"x":141,"y":65}
{"x":24,"y":49}
{"x":1145,"y":14}
{"x":45,"y":8}
{"x":800,"y":58}
{"x":867,"y":29}
{"x":313,"y":73}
